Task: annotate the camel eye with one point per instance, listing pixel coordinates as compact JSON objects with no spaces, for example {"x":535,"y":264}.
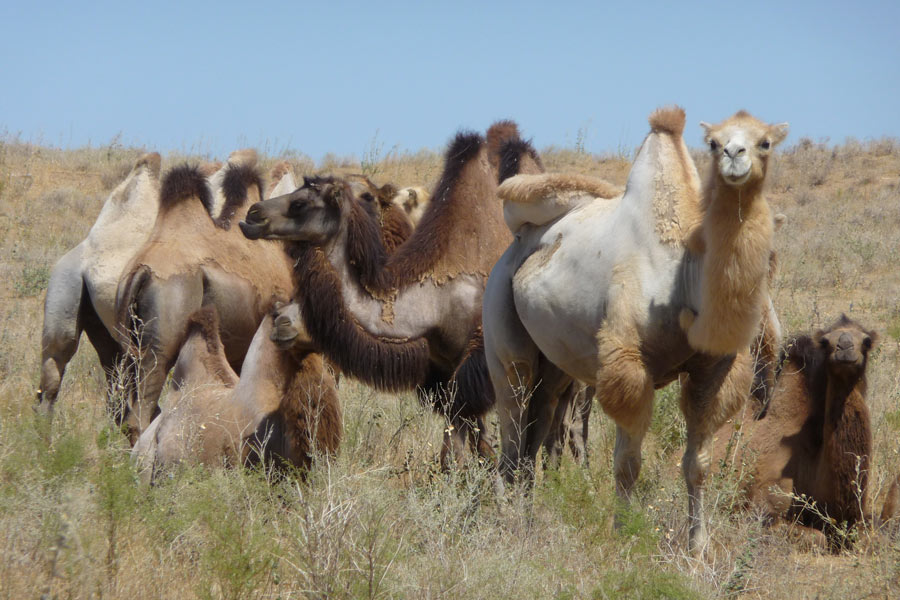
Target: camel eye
{"x":294,"y":208}
{"x":368,"y":197}
{"x":764,"y":144}
{"x":713,"y":145}
{"x":867,"y":343}
{"x":823,"y":344}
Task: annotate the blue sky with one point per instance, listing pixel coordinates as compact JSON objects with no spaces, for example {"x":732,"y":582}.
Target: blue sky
{"x":339,"y":77}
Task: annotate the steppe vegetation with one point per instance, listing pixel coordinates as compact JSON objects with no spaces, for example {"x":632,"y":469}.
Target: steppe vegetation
{"x":381,"y":520}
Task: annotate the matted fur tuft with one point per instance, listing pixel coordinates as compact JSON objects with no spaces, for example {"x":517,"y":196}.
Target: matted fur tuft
{"x":497,"y":135}
{"x":668,"y":120}
{"x":385,"y":364}
{"x":238,"y":179}
{"x":518,"y":156}
{"x":182,"y":183}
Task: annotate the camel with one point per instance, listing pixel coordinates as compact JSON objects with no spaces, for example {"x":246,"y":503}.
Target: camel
{"x":81,"y":293}
{"x":284,"y":406}
{"x":195,"y":258}
{"x":807,"y":459}
{"x":395,"y":224}
{"x":596,"y":284}
{"x":405,"y":320}
{"x":413,"y":200}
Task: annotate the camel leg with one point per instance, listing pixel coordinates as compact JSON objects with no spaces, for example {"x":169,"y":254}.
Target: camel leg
{"x":62,"y":327}
{"x":108,"y":350}
{"x":550,"y":384}
{"x":512,"y":393}
{"x":560,"y":432}
{"x":582,"y":403}
{"x":713,"y":391}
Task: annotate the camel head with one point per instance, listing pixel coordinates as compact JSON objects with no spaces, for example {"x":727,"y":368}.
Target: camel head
{"x":311,"y":213}
{"x":846,"y":347}
{"x":741,"y":146}
{"x":288,"y":331}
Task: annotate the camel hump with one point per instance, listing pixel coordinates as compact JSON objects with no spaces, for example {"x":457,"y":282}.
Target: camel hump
{"x":245,"y":157}
{"x":208,"y":169}
{"x":281,"y":180}
{"x":669,"y":120}
{"x":538,"y":199}
{"x":151,"y":160}
{"x":497,"y":135}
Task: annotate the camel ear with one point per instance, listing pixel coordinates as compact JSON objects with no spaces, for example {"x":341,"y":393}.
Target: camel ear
{"x":707,"y":129}
{"x":873,"y":339}
{"x":779,"y":220}
{"x":413,"y":195}
{"x":778,"y":133}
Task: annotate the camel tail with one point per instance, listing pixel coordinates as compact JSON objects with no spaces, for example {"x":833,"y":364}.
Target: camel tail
{"x":668,"y":120}
{"x":474,"y":391}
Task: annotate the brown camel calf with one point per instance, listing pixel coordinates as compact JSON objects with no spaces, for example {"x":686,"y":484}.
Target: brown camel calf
{"x":283,"y":406}
{"x":807,"y":458}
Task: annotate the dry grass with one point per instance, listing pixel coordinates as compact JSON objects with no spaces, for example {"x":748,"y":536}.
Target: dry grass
{"x":381,"y":521}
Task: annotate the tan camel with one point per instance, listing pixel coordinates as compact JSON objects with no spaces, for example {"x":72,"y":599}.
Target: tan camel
{"x":195,"y":258}
{"x":413,"y":200}
{"x":284,"y":406}
{"x":404,"y":320}
{"x":81,"y":294}
{"x":594,"y":284}
{"x":807,"y":459}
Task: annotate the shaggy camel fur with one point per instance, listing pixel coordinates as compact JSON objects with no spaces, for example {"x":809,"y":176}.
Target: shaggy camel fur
{"x":807,"y":459}
{"x":284,"y":405}
{"x":396,"y":226}
{"x":195,"y":258}
{"x":81,"y":294}
{"x":404,"y":320}
{"x":592,"y":288}
{"x":413,"y":201}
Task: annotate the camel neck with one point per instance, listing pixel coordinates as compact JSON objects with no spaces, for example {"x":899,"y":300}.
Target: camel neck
{"x":734,"y":206}
{"x":846,"y":445}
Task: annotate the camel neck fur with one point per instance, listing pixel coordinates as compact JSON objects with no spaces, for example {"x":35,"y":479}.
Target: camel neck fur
{"x":386,"y":364}
{"x":737,"y":233}
{"x":846,"y":446}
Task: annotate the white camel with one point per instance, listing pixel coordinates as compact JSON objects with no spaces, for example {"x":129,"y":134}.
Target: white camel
{"x":594,"y":288}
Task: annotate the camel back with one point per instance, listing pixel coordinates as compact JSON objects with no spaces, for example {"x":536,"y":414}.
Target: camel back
{"x":185,"y":237}
{"x":462,"y":230}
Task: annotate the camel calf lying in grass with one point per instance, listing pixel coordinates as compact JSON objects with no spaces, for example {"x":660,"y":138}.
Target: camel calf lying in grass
{"x":284,"y":405}
{"x":807,"y":459}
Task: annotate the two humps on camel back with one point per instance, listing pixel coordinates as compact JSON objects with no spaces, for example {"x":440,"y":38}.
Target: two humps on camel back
{"x":283,"y":408}
{"x":194,"y":257}
{"x":630,"y":291}
{"x":807,"y":460}
{"x":410,"y":319}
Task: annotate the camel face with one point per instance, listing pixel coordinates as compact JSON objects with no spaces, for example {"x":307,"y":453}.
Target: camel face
{"x":846,"y":346}
{"x":740,"y":147}
{"x":309,"y":214}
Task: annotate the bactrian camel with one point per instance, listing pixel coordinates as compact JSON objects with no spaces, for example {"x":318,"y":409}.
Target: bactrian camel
{"x":808,"y":458}
{"x":596,"y":285}
{"x":404,"y":320}
{"x":194,"y":258}
{"x":284,"y":406}
{"x":81,"y":294}
{"x":413,"y":201}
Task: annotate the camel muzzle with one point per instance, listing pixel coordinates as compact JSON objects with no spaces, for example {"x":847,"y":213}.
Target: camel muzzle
{"x":253,"y":229}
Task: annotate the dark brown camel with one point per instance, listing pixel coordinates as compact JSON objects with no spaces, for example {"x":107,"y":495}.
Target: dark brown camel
{"x":808,"y":458}
{"x":284,"y":407}
{"x":404,"y":320}
{"x":195,"y":258}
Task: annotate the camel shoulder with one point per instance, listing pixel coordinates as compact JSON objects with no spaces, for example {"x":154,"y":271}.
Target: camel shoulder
{"x":538,"y":199}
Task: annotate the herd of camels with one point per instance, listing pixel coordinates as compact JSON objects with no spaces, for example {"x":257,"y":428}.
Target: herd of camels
{"x":506,"y":288}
